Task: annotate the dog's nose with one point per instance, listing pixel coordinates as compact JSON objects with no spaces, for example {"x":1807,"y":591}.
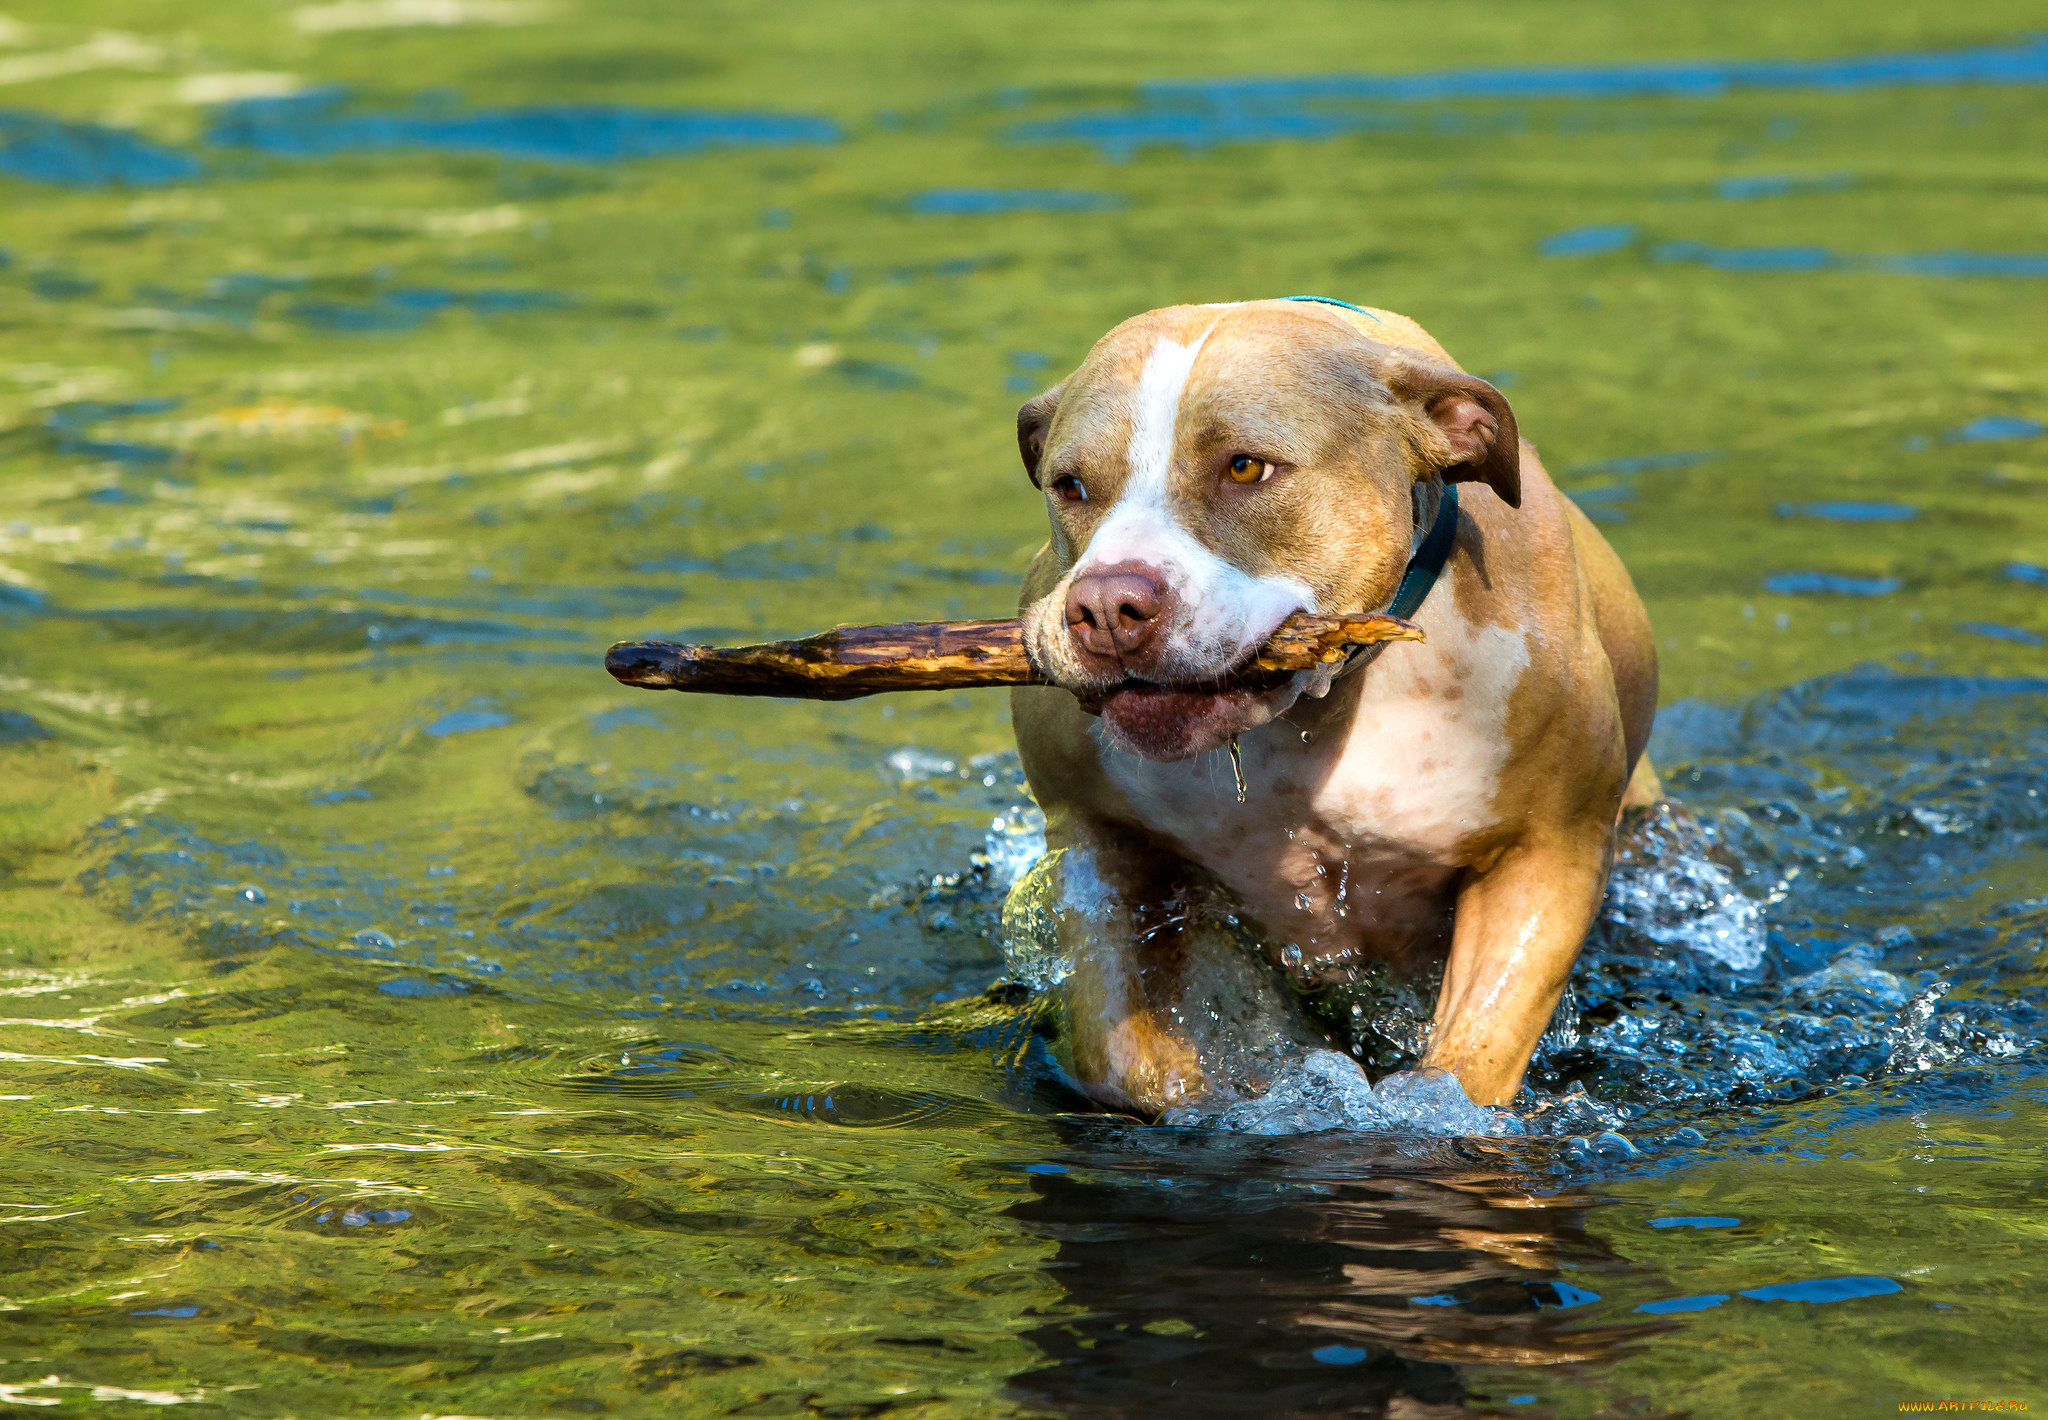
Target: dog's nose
{"x":1115,"y":612}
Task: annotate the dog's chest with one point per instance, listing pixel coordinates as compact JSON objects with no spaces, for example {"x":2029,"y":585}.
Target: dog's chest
{"x":1412,"y":776}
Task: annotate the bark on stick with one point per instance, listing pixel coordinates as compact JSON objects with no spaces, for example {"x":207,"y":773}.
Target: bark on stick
{"x":852,"y":661}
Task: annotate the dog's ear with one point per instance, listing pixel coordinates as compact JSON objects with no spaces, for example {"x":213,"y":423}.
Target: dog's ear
{"x":1032,"y":422}
{"x":1469,"y":417}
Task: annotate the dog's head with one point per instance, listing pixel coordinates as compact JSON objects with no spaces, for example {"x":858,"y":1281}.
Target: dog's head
{"x":1210,"y":470}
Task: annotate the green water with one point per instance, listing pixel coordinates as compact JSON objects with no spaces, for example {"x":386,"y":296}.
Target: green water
{"x":404,"y":1019}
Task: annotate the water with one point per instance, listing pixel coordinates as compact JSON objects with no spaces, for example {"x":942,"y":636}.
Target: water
{"x":403,"y":1019}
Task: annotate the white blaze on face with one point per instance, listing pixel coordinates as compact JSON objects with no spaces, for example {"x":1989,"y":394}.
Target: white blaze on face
{"x":1224,"y":610}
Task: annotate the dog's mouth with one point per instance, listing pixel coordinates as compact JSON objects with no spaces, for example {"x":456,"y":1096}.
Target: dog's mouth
{"x":1177,"y":721}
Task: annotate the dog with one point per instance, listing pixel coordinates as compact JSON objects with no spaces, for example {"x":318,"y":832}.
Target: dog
{"x":1209,"y":470}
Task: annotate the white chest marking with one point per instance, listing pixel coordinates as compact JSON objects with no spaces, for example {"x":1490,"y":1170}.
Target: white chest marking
{"x":1418,"y":767}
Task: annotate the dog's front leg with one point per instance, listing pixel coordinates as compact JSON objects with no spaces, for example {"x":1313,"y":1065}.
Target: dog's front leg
{"x":1517,"y":931}
{"x":1164,"y":1004}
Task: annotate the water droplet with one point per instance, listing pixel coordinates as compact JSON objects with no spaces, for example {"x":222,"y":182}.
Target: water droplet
{"x":1306,"y":737}
{"x":1301,"y":901}
{"x":375,"y":941}
{"x":1613,"y":1146}
{"x":252,"y":893}
{"x":1237,"y":771}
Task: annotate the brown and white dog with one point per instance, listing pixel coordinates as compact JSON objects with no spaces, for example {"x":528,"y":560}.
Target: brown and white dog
{"x":1210,"y":470}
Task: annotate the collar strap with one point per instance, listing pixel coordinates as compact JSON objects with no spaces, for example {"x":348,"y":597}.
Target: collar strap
{"x":1332,"y":301}
{"x":1428,"y":562}
{"x":1423,"y":569}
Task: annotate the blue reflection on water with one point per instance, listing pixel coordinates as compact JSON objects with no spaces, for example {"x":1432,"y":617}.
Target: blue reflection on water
{"x":1703,"y":1222}
{"x":2017,"y":64}
{"x":1120,"y":133}
{"x":1589,"y":241}
{"x":39,"y":148}
{"x":465,"y":722}
{"x":19,"y":727}
{"x":1563,"y":1296}
{"x":1962,"y":263}
{"x":1998,"y":631}
{"x":234,"y":299}
{"x":414,"y":986}
{"x":984,"y":201}
{"x":1790,"y":258}
{"x":1743,"y":189}
{"x":1646,"y":463}
{"x":1990,"y":427}
{"x":1851,"y":512}
{"x":1958,"y":264}
{"x":72,"y":422}
{"x":311,"y":124}
{"x":1826,"y":1289}
{"x":1683,"y":1304}
{"x":409,"y":307}
{"x":1200,"y":113}
{"x":117,"y":451}
{"x":1800,"y":584}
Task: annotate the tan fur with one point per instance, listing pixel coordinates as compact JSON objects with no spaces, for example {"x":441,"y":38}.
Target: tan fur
{"x":1455,"y":798}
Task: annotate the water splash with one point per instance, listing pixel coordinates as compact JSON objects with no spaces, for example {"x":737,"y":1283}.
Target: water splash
{"x":1666,"y":887}
{"x":1016,"y":840}
{"x":1326,"y":1091}
{"x":1031,"y":926}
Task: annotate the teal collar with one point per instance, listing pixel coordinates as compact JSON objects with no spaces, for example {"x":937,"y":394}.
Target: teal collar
{"x":1428,"y":562}
{"x":1423,"y":569}
{"x":1332,"y":301}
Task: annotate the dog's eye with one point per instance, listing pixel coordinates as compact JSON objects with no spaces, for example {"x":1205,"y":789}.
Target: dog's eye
{"x":1246,"y":469}
{"x":1069,"y":488}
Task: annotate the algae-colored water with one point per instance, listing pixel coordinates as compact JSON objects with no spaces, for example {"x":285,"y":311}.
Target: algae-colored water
{"x":403,"y":1019}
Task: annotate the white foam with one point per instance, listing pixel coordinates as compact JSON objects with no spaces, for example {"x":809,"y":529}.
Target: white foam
{"x":1325,"y":1090}
{"x":1670,"y":892}
{"x":1015,"y":841}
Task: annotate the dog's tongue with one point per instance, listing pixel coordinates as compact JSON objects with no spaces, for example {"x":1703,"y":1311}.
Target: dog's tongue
{"x":1166,"y":723}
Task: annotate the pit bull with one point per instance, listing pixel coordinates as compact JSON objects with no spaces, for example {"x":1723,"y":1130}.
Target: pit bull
{"x":1449,"y":804}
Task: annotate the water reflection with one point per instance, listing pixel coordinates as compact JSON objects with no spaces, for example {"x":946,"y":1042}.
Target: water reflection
{"x":1310,"y":1277}
{"x":316,"y":123}
{"x":1196,"y":114}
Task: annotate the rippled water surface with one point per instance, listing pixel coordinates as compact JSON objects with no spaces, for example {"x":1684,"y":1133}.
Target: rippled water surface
{"x":402,"y":1019}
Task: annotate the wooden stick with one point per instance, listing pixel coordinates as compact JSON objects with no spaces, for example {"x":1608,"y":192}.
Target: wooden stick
{"x":853,"y":661}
